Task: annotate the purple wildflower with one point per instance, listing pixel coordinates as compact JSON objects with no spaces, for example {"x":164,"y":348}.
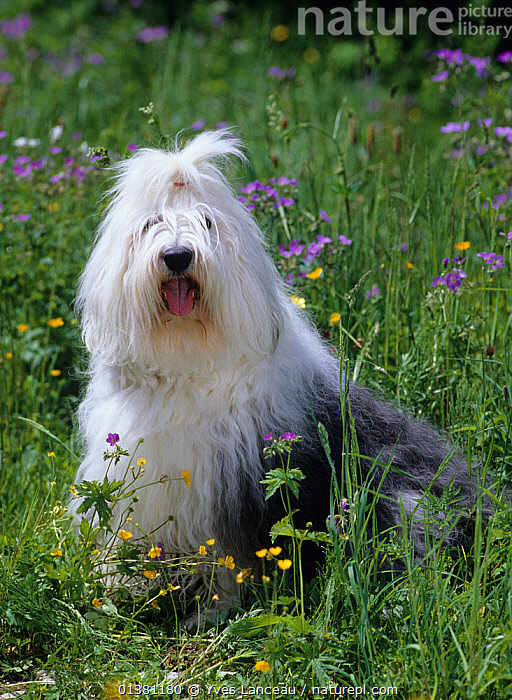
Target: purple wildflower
{"x":152,"y":34}
{"x":15,"y":28}
{"x":218,"y":20}
{"x":3,"y":134}
{"x":499,"y":199}
{"x":160,"y":546}
{"x":251,"y":187}
{"x":439,"y":77}
{"x":322,"y":240}
{"x":484,"y":122}
{"x":373,"y":292}
{"x":324,"y":216}
{"x":5,"y":77}
{"x":221,"y":125}
{"x":454,"y":126}
{"x":503,"y":130}
{"x":480,"y":64}
{"x":23,"y":217}
{"x":312,"y":251}
{"x":495,"y":261}
{"x":344,"y":240}
{"x":95,"y":59}
{"x":3,"y":158}
{"x":288,"y":436}
{"x":269,"y":436}
{"x":452,"y":279}
{"x":132,"y":147}
{"x":112,"y":439}
{"x":295,"y":248}
{"x":508,"y":235}
{"x":505,"y":57}
{"x":451,"y":57}
{"x":336,"y":523}
{"x":281,"y":73}
{"x":21,"y":171}
{"x":198,"y":125}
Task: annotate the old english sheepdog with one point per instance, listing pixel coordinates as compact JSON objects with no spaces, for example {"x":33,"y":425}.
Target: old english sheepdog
{"x":196,"y":347}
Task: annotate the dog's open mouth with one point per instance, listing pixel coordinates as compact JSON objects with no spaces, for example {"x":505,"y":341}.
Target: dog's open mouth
{"x":179,"y":295}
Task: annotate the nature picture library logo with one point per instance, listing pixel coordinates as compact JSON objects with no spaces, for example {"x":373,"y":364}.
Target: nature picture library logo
{"x":471,"y":20}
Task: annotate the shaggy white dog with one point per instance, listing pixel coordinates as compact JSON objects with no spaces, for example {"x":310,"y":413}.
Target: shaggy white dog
{"x":196,"y":347}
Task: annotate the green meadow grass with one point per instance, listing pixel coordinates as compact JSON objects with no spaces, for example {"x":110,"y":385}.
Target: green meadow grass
{"x":371,"y":158}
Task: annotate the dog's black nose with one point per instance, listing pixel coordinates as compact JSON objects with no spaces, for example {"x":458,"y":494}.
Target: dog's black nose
{"x":178,"y":259}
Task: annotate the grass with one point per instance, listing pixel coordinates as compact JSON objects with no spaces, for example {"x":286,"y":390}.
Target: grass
{"x":372,"y":158}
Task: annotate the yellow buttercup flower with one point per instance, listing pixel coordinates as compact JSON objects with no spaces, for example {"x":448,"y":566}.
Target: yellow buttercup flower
{"x":174,"y":588}
{"x":51,"y":454}
{"x":186,"y":477}
{"x":334,"y":318}
{"x":462,"y":245}
{"x":202,"y":550}
{"x":141,"y":462}
{"x":210,"y":542}
{"x":311,"y":55}
{"x":73,"y":491}
{"x":57,"y":552}
{"x":215,"y":596}
{"x":315,"y":274}
{"x":55,"y":372}
{"x":262,"y":666}
{"x":298,"y":301}
{"x":8,"y":356}
{"x":22,"y":328}
{"x":155,"y":552}
{"x":265,"y":579}
{"x":280,"y":33}
{"x":56,"y":322}
{"x":284,"y":564}
{"x":242,"y":575}
{"x":149,"y":573}
{"x":409,"y":265}
{"x":97,"y":603}
{"x":262,"y":553}
{"x":124,"y":534}
{"x":274,"y":551}
{"x":229,"y":562}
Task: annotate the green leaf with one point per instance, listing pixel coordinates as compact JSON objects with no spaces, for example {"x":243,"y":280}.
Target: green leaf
{"x":250,"y":627}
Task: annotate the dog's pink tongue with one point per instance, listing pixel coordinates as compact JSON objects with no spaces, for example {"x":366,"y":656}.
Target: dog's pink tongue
{"x":179,"y":293}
